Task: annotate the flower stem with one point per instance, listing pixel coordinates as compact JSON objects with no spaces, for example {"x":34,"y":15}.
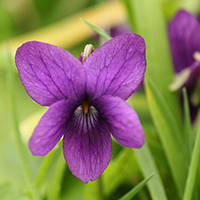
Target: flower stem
{"x":44,"y":168}
{"x":20,"y":145}
{"x":55,"y":182}
{"x":193,"y":168}
{"x":101,"y":191}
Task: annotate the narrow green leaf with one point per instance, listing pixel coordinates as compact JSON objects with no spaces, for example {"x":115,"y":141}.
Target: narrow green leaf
{"x":136,"y":189}
{"x":162,"y":104}
{"x":54,"y":186}
{"x":175,"y":152}
{"x":187,"y":122}
{"x":148,"y":166}
{"x":15,"y":123}
{"x":44,"y":168}
{"x":101,"y":188}
{"x":153,"y":27}
{"x":98,"y":30}
{"x":130,"y":13}
{"x":193,"y":168}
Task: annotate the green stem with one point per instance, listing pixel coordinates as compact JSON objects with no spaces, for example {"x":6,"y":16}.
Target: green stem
{"x":101,"y":192}
{"x":187,"y":125}
{"x":20,"y":145}
{"x":54,"y":186}
{"x":44,"y":168}
{"x":148,"y":166}
{"x":193,"y":168}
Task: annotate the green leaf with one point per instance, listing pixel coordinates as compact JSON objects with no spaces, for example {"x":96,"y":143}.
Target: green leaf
{"x":148,"y":166}
{"x":153,"y":27}
{"x":55,"y":183}
{"x":98,"y":30}
{"x":193,"y":168}
{"x":17,"y":135}
{"x":166,"y":126}
{"x":136,"y":189}
{"x":130,"y":13}
{"x":44,"y":168}
{"x":187,"y":122}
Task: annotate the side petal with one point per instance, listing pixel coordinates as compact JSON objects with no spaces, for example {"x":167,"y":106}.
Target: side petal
{"x":194,"y":75}
{"x":87,"y":146}
{"x":117,"y":67}
{"x":184,"y":33}
{"x":51,"y":127}
{"x":123,"y":120}
{"x":49,"y":73}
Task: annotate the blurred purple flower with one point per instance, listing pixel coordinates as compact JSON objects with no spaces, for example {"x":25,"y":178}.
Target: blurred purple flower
{"x":86,"y":101}
{"x":184,"y":37}
{"x":120,"y":29}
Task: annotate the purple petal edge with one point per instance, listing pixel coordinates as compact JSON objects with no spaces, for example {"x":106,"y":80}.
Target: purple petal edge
{"x":123,"y":121}
{"x":49,"y":73}
{"x":51,"y":127}
{"x":117,"y":67}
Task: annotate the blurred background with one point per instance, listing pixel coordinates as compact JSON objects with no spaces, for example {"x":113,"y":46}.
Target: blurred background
{"x":58,"y":22}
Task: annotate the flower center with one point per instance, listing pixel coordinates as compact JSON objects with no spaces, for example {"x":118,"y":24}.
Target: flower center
{"x":86,"y":106}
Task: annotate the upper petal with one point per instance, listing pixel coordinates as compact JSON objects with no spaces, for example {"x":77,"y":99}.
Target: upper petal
{"x":184,"y":34}
{"x":51,"y":127}
{"x":117,"y":67}
{"x":49,"y":73}
{"x":87,"y":145}
{"x":123,"y":120}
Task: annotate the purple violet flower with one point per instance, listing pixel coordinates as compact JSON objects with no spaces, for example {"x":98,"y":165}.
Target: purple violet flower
{"x":86,"y":100}
{"x":184,"y":37}
{"x":120,"y":29}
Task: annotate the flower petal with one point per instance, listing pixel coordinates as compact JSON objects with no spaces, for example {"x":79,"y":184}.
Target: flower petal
{"x":117,"y":67}
{"x":51,"y":127}
{"x":194,"y":75}
{"x":184,"y":33}
{"x":124,"y":123}
{"x":188,"y":77}
{"x":87,"y":146}
{"x":49,"y":73}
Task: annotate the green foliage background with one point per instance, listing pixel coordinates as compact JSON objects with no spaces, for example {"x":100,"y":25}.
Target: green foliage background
{"x":172,"y":148}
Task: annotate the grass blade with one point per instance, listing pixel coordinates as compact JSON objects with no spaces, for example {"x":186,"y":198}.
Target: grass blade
{"x":55,"y":184}
{"x":148,"y":166}
{"x":152,"y":26}
{"x":193,"y":168}
{"x":18,"y":139}
{"x":98,"y":30}
{"x":187,"y":122}
{"x":129,"y":12}
{"x":136,"y":189}
{"x":44,"y":168}
{"x":175,"y":153}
